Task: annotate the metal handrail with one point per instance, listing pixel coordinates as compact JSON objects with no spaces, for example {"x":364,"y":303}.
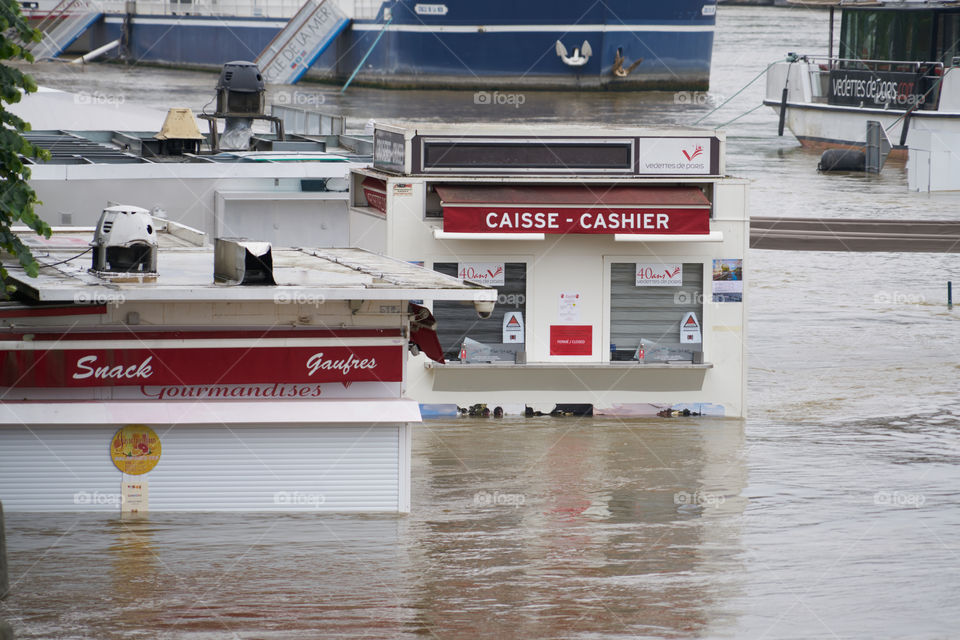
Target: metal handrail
{"x":914,"y":63}
{"x":357,"y":9}
{"x":57,"y":13}
{"x":62,"y":21}
{"x":931,"y":71}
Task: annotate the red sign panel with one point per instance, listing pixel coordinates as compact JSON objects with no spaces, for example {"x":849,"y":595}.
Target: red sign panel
{"x":571,"y":340}
{"x":186,"y":366}
{"x":375,"y":191}
{"x":599,"y":220}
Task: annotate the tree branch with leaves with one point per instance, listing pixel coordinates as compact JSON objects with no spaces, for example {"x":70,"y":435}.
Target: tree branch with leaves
{"x":17,"y":197}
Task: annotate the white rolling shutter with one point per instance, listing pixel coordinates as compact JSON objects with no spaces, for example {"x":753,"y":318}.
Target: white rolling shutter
{"x":210,"y":467}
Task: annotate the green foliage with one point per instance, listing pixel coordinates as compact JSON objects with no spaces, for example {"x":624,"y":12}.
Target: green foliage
{"x":17,"y":197}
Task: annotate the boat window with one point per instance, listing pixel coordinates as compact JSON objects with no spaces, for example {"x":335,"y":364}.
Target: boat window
{"x":948,"y":37}
{"x":652,"y":313}
{"x":457,"y":321}
{"x":886,"y":35}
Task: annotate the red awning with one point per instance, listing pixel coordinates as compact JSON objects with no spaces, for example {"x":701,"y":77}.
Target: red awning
{"x":575,"y":195}
{"x":517,"y":211}
{"x":423,"y":332}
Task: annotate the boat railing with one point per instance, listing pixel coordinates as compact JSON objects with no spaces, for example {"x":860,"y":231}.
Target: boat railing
{"x":358,"y":9}
{"x":926,"y":76}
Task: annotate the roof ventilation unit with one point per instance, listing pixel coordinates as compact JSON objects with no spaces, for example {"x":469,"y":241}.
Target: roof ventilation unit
{"x":240,"y":100}
{"x":240,"y":90}
{"x":179,"y":134}
{"x":240,"y":261}
{"x":125,"y":242}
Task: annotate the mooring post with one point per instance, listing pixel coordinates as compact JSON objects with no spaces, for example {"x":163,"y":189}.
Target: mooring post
{"x":783,"y":109}
{"x":949,"y":293}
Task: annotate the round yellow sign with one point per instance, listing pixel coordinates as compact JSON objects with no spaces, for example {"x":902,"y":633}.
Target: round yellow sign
{"x":135,"y":449}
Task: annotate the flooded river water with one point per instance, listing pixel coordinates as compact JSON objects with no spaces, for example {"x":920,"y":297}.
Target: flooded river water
{"x":831,"y":512}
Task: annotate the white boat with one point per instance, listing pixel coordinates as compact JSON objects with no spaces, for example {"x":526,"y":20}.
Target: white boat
{"x":898,"y":63}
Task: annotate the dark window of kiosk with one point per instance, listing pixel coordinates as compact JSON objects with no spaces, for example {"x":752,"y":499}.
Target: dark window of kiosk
{"x":652,"y":314}
{"x":448,"y":155}
{"x":457,"y":320}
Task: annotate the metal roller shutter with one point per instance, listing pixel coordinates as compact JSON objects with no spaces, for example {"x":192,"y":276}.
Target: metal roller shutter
{"x":455,"y":321}
{"x":651,"y":313}
{"x":208,"y":467}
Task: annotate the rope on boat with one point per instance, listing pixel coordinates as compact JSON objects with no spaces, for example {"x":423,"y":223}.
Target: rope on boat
{"x":741,"y":90}
{"x":909,"y":112}
{"x":367,"y":54}
{"x":745,"y":113}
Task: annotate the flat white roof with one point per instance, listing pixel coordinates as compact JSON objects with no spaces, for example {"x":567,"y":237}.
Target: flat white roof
{"x":185,"y":274}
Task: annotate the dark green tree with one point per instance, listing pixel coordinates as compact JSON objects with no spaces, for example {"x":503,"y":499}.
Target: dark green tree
{"x":17,"y":197}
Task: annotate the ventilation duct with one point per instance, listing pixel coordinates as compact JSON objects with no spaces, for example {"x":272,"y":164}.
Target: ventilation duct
{"x":241,"y":261}
{"x":125,"y":241}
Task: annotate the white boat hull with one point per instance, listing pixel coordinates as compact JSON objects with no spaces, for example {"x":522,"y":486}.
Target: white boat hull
{"x":820,"y":125}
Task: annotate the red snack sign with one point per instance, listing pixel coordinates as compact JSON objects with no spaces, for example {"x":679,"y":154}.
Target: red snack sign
{"x":186,"y":366}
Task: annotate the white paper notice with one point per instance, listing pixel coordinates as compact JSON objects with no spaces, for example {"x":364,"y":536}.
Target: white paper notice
{"x":728,"y":286}
{"x":569,"y":307}
{"x":134,"y":492}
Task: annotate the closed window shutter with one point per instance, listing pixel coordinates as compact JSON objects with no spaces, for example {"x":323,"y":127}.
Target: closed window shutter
{"x":651,"y":313}
{"x":456,"y":321}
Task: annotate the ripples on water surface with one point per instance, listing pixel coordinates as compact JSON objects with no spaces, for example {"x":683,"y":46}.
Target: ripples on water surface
{"x":831,"y":512}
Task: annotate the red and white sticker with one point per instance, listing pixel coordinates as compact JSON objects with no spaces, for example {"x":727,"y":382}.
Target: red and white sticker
{"x":690,"y":329}
{"x":659,"y":275}
{"x":487,"y":273}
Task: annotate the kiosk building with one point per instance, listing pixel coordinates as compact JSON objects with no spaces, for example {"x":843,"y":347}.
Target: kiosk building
{"x":618,"y":255}
{"x":166,"y":374}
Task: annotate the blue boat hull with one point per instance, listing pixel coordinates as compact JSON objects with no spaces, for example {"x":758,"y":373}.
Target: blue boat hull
{"x":674,"y":41}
